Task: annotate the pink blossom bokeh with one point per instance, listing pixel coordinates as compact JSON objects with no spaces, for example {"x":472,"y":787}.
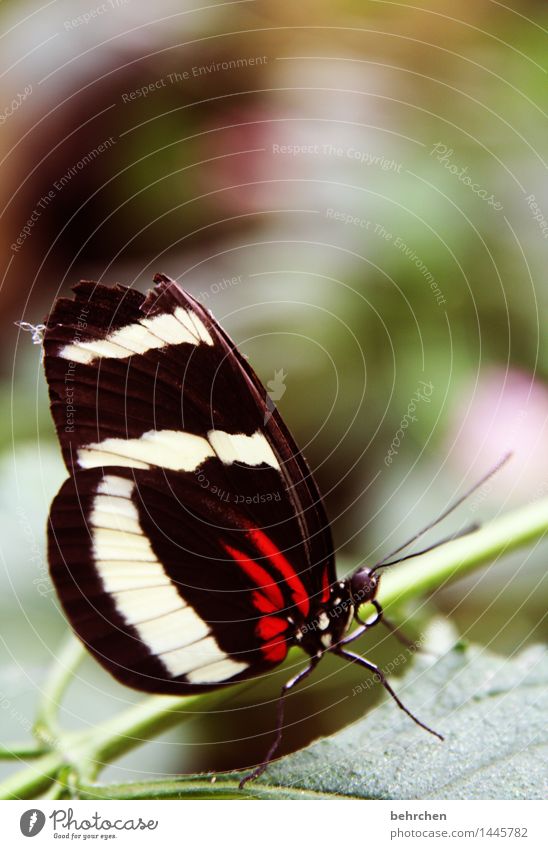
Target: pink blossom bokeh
{"x":505,"y":411}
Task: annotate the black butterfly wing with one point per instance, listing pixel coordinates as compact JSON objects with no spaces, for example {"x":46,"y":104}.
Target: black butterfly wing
{"x":149,"y":395}
{"x":172,"y":590}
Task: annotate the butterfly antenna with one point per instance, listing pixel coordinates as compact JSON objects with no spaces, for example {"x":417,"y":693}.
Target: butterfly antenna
{"x":469,"y":529}
{"x":442,"y":516}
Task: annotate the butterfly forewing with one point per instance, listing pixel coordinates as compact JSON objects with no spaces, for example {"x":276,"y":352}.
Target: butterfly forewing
{"x":190,"y":539}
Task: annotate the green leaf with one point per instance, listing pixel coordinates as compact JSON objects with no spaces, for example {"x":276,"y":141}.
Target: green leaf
{"x":491,"y":710}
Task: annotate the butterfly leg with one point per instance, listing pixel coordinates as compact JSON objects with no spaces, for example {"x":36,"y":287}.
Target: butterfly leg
{"x":364,"y":626}
{"x":372,"y":667}
{"x":392,"y":627}
{"x":374,"y":620}
{"x":304,"y":673}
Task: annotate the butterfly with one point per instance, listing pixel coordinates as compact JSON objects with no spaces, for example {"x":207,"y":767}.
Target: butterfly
{"x":189,"y":545}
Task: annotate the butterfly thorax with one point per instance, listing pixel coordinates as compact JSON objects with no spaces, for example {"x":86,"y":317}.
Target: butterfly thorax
{"x":329,"y":620}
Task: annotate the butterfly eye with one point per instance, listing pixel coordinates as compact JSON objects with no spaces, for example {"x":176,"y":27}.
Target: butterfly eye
{"x":363,"y":585}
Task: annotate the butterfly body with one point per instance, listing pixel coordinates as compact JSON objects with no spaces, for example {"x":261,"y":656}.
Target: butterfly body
{"x":329,"y":622}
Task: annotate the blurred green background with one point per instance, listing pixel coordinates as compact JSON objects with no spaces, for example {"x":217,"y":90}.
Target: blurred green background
{"x":358,"y":191}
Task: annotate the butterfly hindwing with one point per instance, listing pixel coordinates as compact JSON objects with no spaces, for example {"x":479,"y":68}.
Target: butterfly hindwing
{"x":169,"y":588}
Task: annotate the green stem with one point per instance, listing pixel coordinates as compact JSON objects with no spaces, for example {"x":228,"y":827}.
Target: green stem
{"x":194,"y":787}
{"x":135,"y":726}
{"x":456,"y":559}
{"x":29,"y":783}
{"x":18,"y":751}
{"x":87,"y":752}
{"x":67,"y":660}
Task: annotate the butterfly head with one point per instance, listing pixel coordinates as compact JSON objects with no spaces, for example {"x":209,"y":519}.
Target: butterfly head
{"x":364,"y":585}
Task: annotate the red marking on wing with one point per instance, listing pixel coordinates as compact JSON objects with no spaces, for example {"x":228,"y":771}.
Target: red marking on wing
{"x":262,"y":604}
{"x":275,"y":650}
{"x":271,"y":626}
{"x":325,"y":586}
{"x":267,"y":599}
{"x":265,"y":545}
{"x":269,"y":589}
{"x":269,"y":630}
